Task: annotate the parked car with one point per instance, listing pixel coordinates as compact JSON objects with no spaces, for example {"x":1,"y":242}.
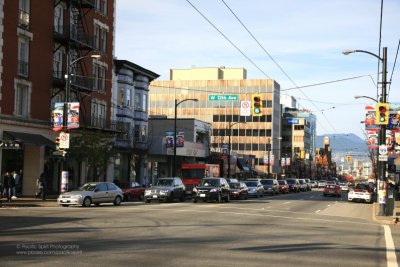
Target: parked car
{"x":255,"y":187}
{"x":314,"y":184}
{"x":214,"y":189}
{"x":283,"y":187}
{"x":344,"y":186}
{"x":294,"y":185}
{"x":332,"y":190}
{"x":238,"y":190}
{"x":166,"y":189}
{"x":321,"y":183}
{"x":92,"y":193}
{"x":362,"y":192}
{"x":303,"y":185}
{"x":309,"y":184}
{"x":271,"y":186}
{"x":133,"y":191}
{"x":232,"y":180}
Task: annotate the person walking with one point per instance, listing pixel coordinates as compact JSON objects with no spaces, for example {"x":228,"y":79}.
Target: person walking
{"x":16,"y":182}
{"x":8,"y":184}
{"x":41,"y":184}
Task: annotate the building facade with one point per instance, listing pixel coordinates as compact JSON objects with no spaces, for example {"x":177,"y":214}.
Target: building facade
{"x":130,"y":111}
{"x":47,"y":50}
{"x":220,"y":93}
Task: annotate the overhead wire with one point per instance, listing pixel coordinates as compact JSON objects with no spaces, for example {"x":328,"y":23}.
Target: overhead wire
{"x":394,"y":66}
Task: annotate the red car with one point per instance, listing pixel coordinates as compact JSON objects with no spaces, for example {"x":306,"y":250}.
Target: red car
{"x":133,"y":191}
{"x":332,"y":190}
{"x":283,"y":187}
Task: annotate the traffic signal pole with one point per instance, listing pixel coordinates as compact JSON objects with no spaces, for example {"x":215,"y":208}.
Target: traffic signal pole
{"x":382,"y":184}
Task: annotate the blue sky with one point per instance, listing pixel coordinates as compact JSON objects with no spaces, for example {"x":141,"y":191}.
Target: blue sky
{"x":305,"y":37}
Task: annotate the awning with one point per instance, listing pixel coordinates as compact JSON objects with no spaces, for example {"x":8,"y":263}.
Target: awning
{"x":28,"y":138}
{"x":242,"y":165}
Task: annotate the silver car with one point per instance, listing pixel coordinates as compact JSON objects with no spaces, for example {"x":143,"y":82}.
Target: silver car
{"x":166,"y":189}
{"x":92,"y":193}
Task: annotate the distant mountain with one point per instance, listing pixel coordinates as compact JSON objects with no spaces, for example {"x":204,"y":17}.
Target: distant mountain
{"x":344,"y":143}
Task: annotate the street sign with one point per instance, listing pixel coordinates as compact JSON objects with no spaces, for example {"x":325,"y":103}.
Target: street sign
{"x":245,"y":108}
{"x":64,"y":140}
{"x":223,"y":97}
{"x":383,"y":158}
{"x":292,"y":121}
{"x":383,"y":150}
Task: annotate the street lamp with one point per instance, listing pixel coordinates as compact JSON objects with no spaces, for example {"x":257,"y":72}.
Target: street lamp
{"x":64,"y":173}
{"x":382,"y":133}
{"x":176,"y":106}
{"x":363,"y":96}
{"x":229,"y":146}
{"x":269,"y":152}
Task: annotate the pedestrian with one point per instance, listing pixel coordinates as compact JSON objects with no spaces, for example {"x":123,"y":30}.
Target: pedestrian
{"x":17,"y":179}
{"x":41,"y":184}
{"x":8,"y":184}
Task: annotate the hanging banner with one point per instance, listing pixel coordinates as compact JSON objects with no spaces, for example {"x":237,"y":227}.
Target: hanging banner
{"x":73,"y":115}
{"x":57,"y":116}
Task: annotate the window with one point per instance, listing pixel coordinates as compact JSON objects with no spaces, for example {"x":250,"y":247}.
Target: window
{"x":121,"y":95}
{"x":99,"y":77}
{"x":138,"y":105}
{"x":101,"y":6}
{"x":23,"y":56}
{"x":22,"y":96}
{"x":98,"y":115}
{"x":58,"y":19}
{"x":143,"y":133}
{"x":100,"y":38}
{"x":24,"y":10}
{"x":96,"y":37}
{"x":144,"y":102}
{"x":103,"y":40}
{"x":57,"y":64}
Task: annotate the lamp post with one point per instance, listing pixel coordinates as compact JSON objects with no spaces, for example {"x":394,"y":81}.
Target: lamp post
{"x":363,"y":96}
{"x":269,"y":152}
{"x":229,"y":146}
{"x":175,"y":114}
{"x":382,"y":132}
{"x":64,"y":173}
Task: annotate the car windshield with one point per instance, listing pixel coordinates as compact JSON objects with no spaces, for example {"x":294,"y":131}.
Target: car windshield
{"x":254,"y":184}
{"x":291,"y":181}
{"x":282,"y":182}
{"x":362,"y":187}
{"x":164,"y":182}
{"x":301,"y":181}
{"x":208,"y":182}
{"x":265,"y":182}
{"x":234,"y":185}
{"x":87,"y":187}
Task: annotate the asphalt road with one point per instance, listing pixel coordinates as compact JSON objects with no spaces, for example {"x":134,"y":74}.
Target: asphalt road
{"x":304,"y":229}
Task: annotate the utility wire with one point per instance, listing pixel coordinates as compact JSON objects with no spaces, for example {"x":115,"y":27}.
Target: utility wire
{"x":394,"y":65}
{"x":226,"y":38}
{"x":284,"y":72}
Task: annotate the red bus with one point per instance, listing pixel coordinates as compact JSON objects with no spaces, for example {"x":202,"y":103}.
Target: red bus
{"x":191,"y":174}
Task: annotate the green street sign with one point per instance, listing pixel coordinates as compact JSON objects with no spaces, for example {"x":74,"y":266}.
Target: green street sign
{"x":223,"y":97}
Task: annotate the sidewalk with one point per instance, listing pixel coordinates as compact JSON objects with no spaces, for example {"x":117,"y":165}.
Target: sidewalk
{"x":51,"y":201}
{"x":389,"y":220}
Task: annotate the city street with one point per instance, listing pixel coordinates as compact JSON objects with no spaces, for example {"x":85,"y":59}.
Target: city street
{"x":303,"y":229}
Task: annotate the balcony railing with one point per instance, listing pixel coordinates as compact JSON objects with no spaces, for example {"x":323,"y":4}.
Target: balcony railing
{"x":23,"y":19}
{"x":23,"y":67}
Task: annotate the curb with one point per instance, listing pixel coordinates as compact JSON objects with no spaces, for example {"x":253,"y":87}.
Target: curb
{"x":388,"y":220}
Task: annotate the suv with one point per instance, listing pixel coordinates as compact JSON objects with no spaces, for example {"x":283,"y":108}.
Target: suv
{"x":211,"y":189}
{"x":271,"y":186}
{"x":166,"y":189}
{"x":255,"y":188}
{"x":294,"y":185}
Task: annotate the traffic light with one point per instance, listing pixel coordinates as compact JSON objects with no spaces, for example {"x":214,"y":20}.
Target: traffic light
{"x":382,"y":113}
{"x":348,"y":158}
{"x":256,"y":105}
{"x":57,"y":143}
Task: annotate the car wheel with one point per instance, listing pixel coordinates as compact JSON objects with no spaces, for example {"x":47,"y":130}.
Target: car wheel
{"x":219,"y":198}
{"x":147,"y":201}
{"x":194,"y":200}
{"x":141,"y":197}
{"x":183,"y":197}
{"x":117,"y":201}
{"x":87,"y":202}
{"x":228,"y":198}
{"x":171,"y":197}
{"x":65,"y":205}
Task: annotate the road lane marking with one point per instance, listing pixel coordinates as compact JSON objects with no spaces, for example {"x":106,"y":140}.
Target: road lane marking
{"x":317,"y":211}
{"x":390,"y":248}
{"x":287,"y":203}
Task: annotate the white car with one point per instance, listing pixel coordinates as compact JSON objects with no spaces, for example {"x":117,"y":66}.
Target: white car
{"x":362,"y":192}
{"x":344,"y":186}
{"x":92,"y":193}
{"x":321,"y":183}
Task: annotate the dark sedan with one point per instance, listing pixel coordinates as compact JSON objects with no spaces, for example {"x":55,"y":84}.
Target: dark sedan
{"x":238,"y":190}
{"x":214,"y":189}
{"x":271,"y":186}
{"x":294,"y":185}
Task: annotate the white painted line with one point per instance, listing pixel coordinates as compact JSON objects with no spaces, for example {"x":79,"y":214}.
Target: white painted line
{"x":317,"y":211}
{"x":390,"y":249}
{"x":287,"y":203}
